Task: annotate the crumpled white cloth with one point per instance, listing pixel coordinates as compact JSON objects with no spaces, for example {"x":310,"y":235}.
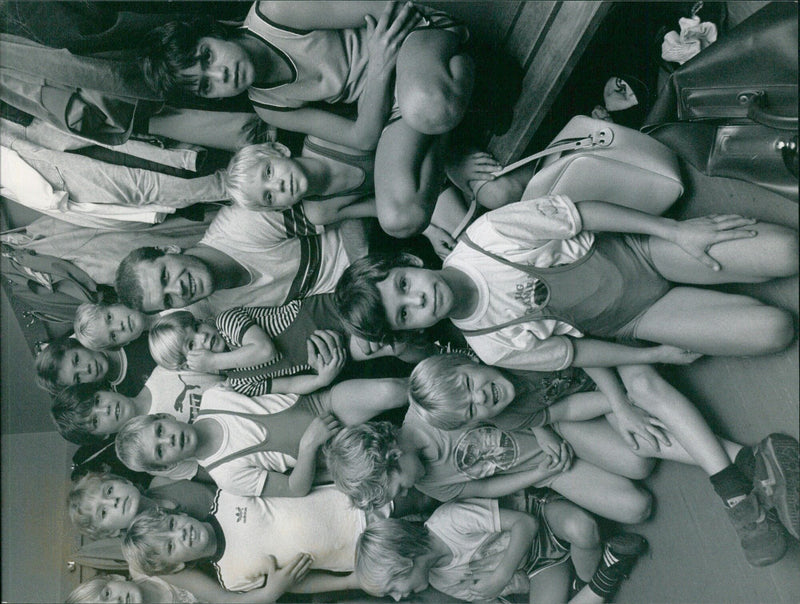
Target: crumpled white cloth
{"x":694,"y":37}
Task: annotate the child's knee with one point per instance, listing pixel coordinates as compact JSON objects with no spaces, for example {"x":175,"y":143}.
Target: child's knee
{"x":776,"y":328}
{"x":440,"y":108}
{"x":401,"y":219}
{"x":641,"y":466}
{"x":637,"y":508}
{"x":788,"y":255}
{"x":581,"y":530}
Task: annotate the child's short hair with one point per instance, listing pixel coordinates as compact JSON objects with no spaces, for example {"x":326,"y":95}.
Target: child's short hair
{"x":72,"y":413}
{"x":87,"y":318}
{"x":91,"y":591}
{"x":361,"y":459}
{"x":128,"y":443}
{"x":239,"y":172}
{"x":48,"y":363}
{"x":126,"y":281}
{"x":143,"y":543}
{"x":167,"y":338}
{"x":167,"y":50}
{"x":439,"y":391}
{"x":358,"y":300}
{"x":89,"y":485}
{"x":386,"y":551}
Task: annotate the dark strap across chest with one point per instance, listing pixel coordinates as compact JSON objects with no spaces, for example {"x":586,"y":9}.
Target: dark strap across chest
{"x":284,"y":430}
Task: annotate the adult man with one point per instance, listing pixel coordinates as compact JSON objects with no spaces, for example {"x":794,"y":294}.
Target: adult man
{"x":245,"y":258}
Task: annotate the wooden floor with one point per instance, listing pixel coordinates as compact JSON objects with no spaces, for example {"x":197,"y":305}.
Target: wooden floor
{"x":695,"y":556}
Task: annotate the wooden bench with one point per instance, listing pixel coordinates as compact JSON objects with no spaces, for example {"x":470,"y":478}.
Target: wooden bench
{"x":546,"y":39}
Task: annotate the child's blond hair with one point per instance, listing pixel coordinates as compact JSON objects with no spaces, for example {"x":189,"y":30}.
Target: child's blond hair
{"x":87,"y":486}
{"x":361,"y":460}
{"x":239,"y":172}
{"x":167,"y":338}
{"x":143,"y":543}
{"x":386,"y":552}
{"x":91,"y":591}
{"x":438,"y":390}
{"x":87,"y":317}
{"x":129,"y":446}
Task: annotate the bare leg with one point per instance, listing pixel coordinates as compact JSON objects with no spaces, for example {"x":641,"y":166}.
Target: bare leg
{"x":357,"y":401}
{"x":773,"y":253}
{"x":571,"y":523}
{"x":601,"y":492}
{"x":551,"y":586}
{"x":652,"y":393}
{"x":409,"y":171}
{"x":434,"y":81}
{"x":716,"y":323}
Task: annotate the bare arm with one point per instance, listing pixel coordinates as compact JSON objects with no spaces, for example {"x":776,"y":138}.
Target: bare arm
{"x":695,"y":236}
{"x":505,"y":484}
{"x":384,"y":40}
{"x":298,"y":483}
{"x":322,"y":15}
{"x":206,"y":589}
{"x":522,"y":528}
{"x":597,"y":353}
{"x":330,"y":211}
{"x":257,"y":348}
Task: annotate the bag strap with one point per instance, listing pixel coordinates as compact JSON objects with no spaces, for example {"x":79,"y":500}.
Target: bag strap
{"x":598,"y":138}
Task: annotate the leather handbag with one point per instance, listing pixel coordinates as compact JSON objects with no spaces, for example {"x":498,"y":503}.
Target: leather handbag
{"x":732,"y":110}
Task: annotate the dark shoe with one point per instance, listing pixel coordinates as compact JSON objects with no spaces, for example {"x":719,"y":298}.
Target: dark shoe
{"x":776,"y":479}
{"x":626,"y":547}
{"x":760,"y":533}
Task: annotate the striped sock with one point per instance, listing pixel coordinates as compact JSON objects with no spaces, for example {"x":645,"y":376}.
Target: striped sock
{"x":616,"y":563}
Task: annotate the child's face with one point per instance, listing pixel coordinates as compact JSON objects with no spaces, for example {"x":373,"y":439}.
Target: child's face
{"x":224,"y":69}
{"x":113,"y":505}
{"x":414,"y":582}
{"x":203,"y":337}
{"x":119,"y":326}
{"x":121,"y":591}
{"x":415,"y":298}
{"x":276,"y":183}
{"x":111,"y":410}
{"x":185,"y":540}
{"x":167,"y":441}
{"x":411,"y":470}
{"x":81,"y":366}
{"x":486,"y":392}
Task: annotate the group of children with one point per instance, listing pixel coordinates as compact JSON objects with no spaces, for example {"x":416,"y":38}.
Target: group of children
{"x":264,"y":427}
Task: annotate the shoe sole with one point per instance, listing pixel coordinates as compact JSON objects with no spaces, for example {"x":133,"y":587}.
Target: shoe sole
{"x":780,"y":489}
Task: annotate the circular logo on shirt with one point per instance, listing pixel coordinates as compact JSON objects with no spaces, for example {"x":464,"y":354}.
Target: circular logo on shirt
{"x":484,"y":451}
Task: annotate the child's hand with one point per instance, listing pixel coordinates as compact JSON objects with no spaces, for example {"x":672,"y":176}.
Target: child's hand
{"x":385,"y":37}
{"x":552,"y":444}
{"x":326,"y":355}
{"x":201,"y":360}
{"x":466,"y":171}
{"x":280,"y":580}
{"x":487,"y":586}
{"x":635,"y":424}
{"x":672,"y":355}
{"x":440,"y":239}
{"x":697,"y":235}
{"x":601,"y":113}
{"x":319,"y":431}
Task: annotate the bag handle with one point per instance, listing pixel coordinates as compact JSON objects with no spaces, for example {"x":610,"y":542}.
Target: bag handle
{"x":598,"y":138}
{"x":788,"y":149}
{"x":756,"y":101}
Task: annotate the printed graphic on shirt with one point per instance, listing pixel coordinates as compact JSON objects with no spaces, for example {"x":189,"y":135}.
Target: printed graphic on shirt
{"x":484,"y":451}
{"x":532,"y":293}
